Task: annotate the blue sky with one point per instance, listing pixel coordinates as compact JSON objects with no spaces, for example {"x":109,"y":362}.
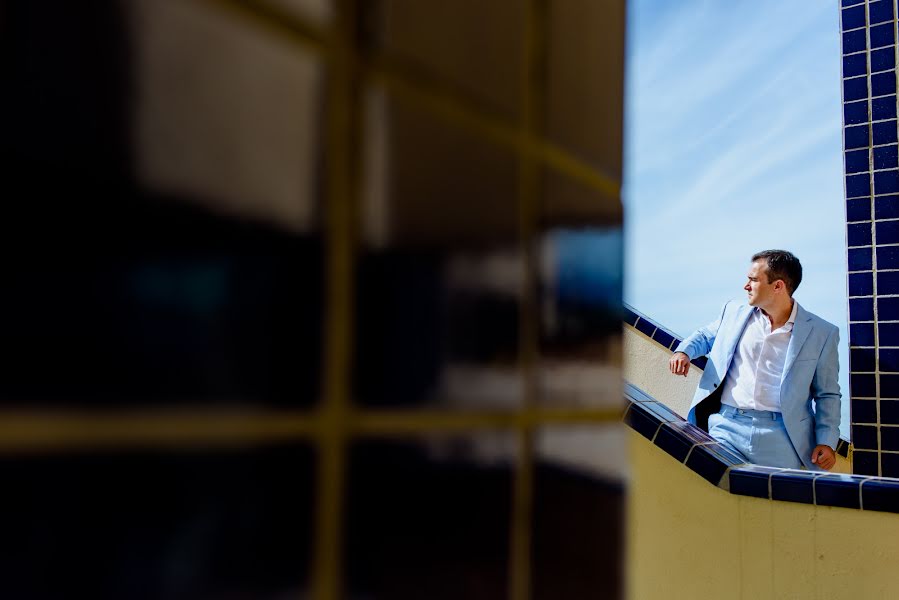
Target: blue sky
{"x":732,"y":145}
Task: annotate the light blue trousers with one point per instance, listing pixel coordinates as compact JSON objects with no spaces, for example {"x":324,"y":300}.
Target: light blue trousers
{"x":758,"y":436}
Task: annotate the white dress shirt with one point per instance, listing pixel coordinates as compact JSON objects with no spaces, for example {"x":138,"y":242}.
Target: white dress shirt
{"x":753,"y":380}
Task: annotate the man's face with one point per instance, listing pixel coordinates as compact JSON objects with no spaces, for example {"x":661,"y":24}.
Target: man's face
{"x":759,"y":289}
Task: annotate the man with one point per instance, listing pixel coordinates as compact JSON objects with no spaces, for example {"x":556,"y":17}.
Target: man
{"x":768,"y":361}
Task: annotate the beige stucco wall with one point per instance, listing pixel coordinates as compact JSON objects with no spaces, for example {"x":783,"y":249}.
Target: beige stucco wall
{"x":646,"y":366}
{"x":689,"y":539}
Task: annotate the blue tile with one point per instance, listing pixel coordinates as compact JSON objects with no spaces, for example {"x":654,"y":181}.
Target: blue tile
{"x":855,"y":113}
{"x":886,"y":182}
{"x":881,"y":35}
{"x":630,"y":317}
{"x":837,"y":490}
{"x":865,"y":463}
{"x":853,"y":18}
{"x":671,"y":440}
{"x":700,"y":361}
{"x":663,"y":337}
{"x":889,"y":358}
{"x":642,"y":420}
{"x":889,"y":438}
{"x":750,"y":481}
{"x":647,"y":327}
{"x":856,"y":137}
{"x":861,"y":359}
{"x":858,"y":234}
{"x":692,"y":433}
{"x":889,"y":464}
{"x":862,"y":386}
{"x":864,"y":411}
{"x":883,"y":108}
{"x":854,"y":41}
{"x":882,"y":59}
{"x":858,"y":209}
{"x":792,"y":487}
{"x":677,"y":342}
{"x":887,"y":232}
{"x":889,"y":411}
{"x":886,"y":157}
{"x":884,"y":132}
{"x":855,"y":65}
{"x":860,"y":259}
{"x":858,"y":185}
{"x":888,"y":309}
{"x":851,"y":2}
{"x":662,"y":412}
{"x":887,"y":283}
{"x":886,"y":207}
{"x":889,"y":388}
{"x":707,"y":463}
{"x":861,"y":309}
{"x":861,"y":334}
{"x":857,"y":161}
{"x":882,"y":495}
{"x":888,"y":333}
{"x":883,"y":83}
{"x":864,"y":437}
{"x":861,"y":284}
{"x":880,"y":11}
{"x":635,"y":394}
{"x":855,"y":89}
{"x":722,"y":454}
{"x":888,"y":257}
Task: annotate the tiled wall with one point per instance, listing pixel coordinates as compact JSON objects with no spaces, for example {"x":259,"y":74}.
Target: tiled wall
{"x":872,"y":230}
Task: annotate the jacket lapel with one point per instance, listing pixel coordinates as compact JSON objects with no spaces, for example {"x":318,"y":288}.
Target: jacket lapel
{"x":801,"y":329}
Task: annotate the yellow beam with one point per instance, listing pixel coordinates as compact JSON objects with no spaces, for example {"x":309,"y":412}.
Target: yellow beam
{"x":60,"y":431}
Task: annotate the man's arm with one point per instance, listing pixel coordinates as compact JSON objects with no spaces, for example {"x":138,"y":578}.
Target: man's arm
{"x":698,"y":344}
{"x":826,"y":391}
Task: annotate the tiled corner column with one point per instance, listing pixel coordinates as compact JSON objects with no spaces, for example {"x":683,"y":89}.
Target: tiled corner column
{"x":869,"y":31}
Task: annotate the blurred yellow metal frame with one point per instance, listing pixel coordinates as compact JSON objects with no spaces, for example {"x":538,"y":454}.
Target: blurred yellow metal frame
{"x":336,"y":420}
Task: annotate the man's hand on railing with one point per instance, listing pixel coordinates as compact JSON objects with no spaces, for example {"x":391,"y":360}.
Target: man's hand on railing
{"x":679,"y":364}
{"x":824,"y":457}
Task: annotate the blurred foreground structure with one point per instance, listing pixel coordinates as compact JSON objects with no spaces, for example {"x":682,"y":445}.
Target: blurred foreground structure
{"x":311,"y":299}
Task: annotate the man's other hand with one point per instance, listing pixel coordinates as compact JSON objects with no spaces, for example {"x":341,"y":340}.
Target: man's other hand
{"x":823,"y":456}
{"x":679,"y":363}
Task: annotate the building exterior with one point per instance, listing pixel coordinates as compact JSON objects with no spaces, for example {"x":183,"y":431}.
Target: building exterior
{"x":872,"y":231}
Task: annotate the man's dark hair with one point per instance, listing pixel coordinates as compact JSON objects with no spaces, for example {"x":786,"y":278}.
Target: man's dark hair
{"x":781,"y":265}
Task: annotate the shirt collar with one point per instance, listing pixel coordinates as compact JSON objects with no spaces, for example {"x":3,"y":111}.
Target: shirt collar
{"x":791,"y":320}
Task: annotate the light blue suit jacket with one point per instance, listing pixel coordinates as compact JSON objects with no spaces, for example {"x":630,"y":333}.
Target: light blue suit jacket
{"x":810,"y":373}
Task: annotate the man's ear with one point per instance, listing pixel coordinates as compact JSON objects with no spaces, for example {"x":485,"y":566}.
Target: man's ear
{"x":779,"y":285}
